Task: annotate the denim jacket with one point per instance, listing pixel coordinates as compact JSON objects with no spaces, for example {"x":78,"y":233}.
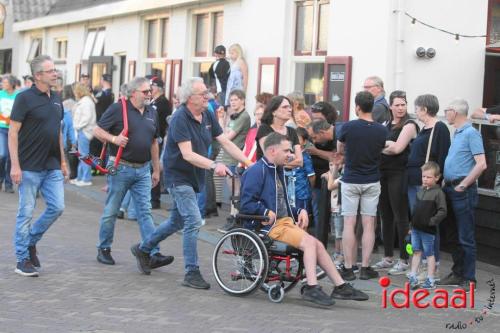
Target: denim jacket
{"x":258,"y":192}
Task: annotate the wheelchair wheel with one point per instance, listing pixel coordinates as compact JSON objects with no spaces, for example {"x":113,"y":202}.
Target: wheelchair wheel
{"x":276,"y":293}
{"x":240,"y":262}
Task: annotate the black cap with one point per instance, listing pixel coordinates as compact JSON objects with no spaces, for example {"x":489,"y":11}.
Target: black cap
{"x":28,"y":77}
{"x":107,"y":78}
{"x":156,"y":81}
{"x":220,"y":49}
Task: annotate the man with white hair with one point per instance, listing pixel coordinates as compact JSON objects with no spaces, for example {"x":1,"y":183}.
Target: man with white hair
{"x":380,"y":112}
{"x":463,"y":166}
{"x":140,"y":153}
{"x":191,"y":131}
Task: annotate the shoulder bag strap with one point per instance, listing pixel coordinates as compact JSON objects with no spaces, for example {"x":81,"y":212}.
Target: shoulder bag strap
{"x":429,"y":145}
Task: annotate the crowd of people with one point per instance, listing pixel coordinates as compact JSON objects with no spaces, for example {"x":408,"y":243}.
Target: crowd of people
{"x":388,"y":176}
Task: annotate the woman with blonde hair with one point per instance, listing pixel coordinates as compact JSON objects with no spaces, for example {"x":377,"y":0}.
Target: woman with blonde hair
{"x":238,"y":78}
{"x":84,"y":122}
{"x":300,"y":118}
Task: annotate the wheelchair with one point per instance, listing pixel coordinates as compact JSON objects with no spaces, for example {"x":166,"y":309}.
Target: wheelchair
{"x":245,"y":260}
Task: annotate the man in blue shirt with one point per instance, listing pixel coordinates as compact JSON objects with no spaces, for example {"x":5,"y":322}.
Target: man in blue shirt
{"x":191,"y":131}
{"x":463,"y":166}
{"x":38,"y":164}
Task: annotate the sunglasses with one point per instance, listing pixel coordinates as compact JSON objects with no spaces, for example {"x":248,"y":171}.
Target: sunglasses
{"x":146,"y":92}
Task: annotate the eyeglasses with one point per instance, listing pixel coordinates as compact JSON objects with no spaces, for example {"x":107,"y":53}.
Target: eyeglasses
{"x":369,"y":87}
{"x":145,"y":92}
{"x":50,"y":71}
{"x":446,"y":110}
{"x":203,"y":93}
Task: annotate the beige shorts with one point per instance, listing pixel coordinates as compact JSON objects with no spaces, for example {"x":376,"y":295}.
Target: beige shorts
{"x":284,"y":230}
{"x":364,"y":196}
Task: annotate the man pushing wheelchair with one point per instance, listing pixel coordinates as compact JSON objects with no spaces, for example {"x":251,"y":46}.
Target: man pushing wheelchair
{"x":263,"y":192}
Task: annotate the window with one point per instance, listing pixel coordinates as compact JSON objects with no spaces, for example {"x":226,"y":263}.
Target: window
{"x":309,"y":80}
{"x":494,"y":23}
{"x":35,"y":49}
{"x":311,"y":27}
{"x":268,"y":75}
{"x":94,"y":43}
{"x":61,"y":45}
{"x":157,"y":30}
{"x":209,"y":33}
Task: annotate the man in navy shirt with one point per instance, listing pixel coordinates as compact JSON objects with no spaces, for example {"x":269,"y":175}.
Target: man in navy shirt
{"x":463,"y":166}
{"x":140,"y":153}
{"x":191,"y":131}
{"x":362,"y":142}
{"x":38,"y":164}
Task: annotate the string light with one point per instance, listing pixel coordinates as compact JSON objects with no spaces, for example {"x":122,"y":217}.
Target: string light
{"x":457,"y":35}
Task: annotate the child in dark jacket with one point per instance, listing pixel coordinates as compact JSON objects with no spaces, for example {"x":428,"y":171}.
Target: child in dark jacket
{"x":430,"y":210}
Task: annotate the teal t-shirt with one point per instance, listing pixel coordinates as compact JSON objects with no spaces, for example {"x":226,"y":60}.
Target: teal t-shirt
{"x":6,"y":102}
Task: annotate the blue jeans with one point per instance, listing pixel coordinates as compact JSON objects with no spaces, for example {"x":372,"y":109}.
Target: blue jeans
{"x":461,"y":210}
{"x":412,"y":199}
{"x":138,"y":182}
{"x":202,"y":200}
{"x":5,"y":158}
{"x":50,"y":183}
{"x":185,"y":216}
{"x":423,"y":242}
{"x":129,"y":206}
{"x":84,"y":172}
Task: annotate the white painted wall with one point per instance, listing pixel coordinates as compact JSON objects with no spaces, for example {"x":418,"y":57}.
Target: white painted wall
{"x":366,"y":30}
{"x":10,"y":39}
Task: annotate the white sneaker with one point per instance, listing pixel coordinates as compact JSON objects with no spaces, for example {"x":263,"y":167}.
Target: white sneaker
{"x":338,"y":260}
{"x":82,"y":183}
{"x":74,"y":181}
{"x":399,"y":268}
{"x":383,"y":264}
{"x":422,"y":273}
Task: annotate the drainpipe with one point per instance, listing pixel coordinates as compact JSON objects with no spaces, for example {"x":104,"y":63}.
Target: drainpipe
{"x":399,"y":44}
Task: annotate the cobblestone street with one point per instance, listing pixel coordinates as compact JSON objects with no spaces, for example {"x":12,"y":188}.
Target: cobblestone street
{"x":74,"y":293}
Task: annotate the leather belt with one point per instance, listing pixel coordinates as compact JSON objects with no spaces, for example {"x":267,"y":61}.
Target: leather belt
{"x":129,"y":164}
{"x":454,"y":182}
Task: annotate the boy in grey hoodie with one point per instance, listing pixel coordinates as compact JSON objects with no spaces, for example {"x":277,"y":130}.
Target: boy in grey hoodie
{"x":430,"y":210}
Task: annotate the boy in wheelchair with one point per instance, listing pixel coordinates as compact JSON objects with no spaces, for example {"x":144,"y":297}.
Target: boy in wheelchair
{"x":263,"y":192}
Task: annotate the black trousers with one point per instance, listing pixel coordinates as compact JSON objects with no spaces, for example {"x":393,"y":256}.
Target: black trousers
{"x":393,"y":208}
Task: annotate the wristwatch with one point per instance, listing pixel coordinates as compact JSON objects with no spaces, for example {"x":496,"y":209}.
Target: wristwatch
{"x":213,"y":165}
{"x":462,"y":187}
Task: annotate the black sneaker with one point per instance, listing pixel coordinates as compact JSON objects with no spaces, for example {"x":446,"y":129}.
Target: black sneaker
{"x":228,"y":226}
{"x":355,"y":268}
{"x":142,"y":259}
{"x":348,"y":292}
{"x":347,"y":274}
{"x":451,"y":280}
{"x":26,"y":268}
{"x":120,"y":215}
{"x":159,"y":260}
{"x":467,"y":285}
{"x":193,"y":279}
{"x":104,"y":256}
{"x":316,"y":295}
{"x":367,"y":273}
{"x":33,"y":257}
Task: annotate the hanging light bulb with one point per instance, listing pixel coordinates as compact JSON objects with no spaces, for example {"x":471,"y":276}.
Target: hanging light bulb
{"x":413,"y":20}
{"x":457,"y":38}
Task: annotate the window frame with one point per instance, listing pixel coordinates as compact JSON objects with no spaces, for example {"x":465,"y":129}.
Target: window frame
{"x":32,"y":52}
{"x":97,"y":31}
{"x":275,"y":61}
{"x":57,"y":44}
{"x":158,"y":47}
{"x":314,"y":51}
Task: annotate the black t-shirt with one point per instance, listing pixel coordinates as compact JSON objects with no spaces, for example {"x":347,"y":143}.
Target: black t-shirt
{"x":364,"y":141}
{"x":163,"y":109}
{"x":321,"y":165}
{"x":184,"y":127}
{"x":104,"y":99}
{"x":265,"y":129}
{"x":493,"y":110}
{"x":40,"y":117}
{"x":142,"y":129}
{"x":396,"y":162}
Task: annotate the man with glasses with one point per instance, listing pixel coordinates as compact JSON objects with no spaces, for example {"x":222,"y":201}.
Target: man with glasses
{"x":140,"y":154}
{"x":375,"y":86}
{"x":37,"y":157}
{"x":463,"y":165}
{"x":191,"y":131}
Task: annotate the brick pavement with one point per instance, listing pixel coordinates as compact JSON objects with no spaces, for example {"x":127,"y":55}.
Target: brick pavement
{"x":76,"y":294}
